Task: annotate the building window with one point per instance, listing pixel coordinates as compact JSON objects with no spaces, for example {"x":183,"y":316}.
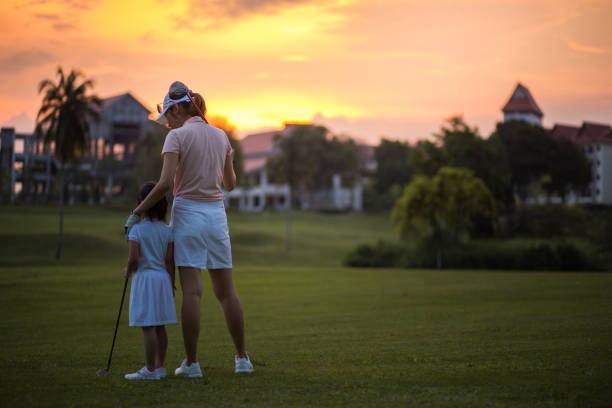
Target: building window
{"x":598,"y":192}
{"x":256,"y":201}
{"x":590,"y":149}
{"x":598,"y":177}
{"x":598,"y":162}
{"x":598,"y":147}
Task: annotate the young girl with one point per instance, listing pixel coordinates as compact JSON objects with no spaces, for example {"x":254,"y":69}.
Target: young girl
{"x":151,"y":261}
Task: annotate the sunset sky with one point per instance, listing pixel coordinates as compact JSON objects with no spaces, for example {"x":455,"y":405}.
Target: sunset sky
{"x":366,"y":68}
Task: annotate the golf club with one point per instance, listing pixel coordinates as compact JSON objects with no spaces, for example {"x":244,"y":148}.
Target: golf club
{"x":104,"y":371}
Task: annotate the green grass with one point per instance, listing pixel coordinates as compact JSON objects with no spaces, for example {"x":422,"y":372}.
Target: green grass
{"x":319,"y":334}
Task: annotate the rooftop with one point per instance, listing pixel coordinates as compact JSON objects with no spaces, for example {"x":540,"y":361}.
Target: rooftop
{"x":521,"y":101}
{"x":594,"y":133}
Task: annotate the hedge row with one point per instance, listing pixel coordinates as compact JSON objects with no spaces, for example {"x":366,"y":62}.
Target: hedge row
{"x":492,"y":254}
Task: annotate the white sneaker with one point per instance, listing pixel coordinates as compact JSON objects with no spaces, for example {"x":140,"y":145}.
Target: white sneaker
{"x":243,"y":365}
{"x":191,"y":371}
{"x":161,"y":371}
{"x":143,"y":374}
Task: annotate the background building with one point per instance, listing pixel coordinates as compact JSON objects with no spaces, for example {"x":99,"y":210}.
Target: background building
{"x":595,"y":140}
{"x":258,"y":191}
{"x":27,"y":170}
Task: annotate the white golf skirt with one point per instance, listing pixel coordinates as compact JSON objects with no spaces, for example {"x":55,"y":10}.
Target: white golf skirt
{"x":201,"y":235}
{"x":151,"y":300}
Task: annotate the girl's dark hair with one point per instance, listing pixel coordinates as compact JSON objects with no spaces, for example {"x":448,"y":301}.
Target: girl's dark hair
{"x":158,"y":211}
{"x":195,"y":108}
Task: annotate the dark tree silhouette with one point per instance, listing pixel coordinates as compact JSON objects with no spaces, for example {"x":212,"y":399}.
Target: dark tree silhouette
{"x":62,"y":122}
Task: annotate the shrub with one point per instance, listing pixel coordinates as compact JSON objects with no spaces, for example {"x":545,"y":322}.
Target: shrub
{"x":545,"y":221}
{"x":382,"y":254}
{"x":509,"y":255}
{"x":374,"y":201}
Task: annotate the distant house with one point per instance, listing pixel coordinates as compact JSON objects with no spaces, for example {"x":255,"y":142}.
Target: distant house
{"x":595,"y":140}
{"x":258,"y":191}
{"x":124,"y":121}
{"x":28,"y":170}
{"x":23,"y":162}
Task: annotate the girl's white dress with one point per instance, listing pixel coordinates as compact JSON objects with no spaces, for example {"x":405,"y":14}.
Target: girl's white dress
{"x":151,"y":300}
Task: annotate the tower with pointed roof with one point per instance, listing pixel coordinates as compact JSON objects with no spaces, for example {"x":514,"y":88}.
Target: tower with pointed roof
{"x":522,"y":106}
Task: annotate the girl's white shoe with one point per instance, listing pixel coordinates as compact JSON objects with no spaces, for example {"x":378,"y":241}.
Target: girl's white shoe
{"x":243,"y":365}
{"x":143,"y":374}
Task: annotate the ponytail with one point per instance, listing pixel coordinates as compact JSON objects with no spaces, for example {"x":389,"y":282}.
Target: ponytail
{"x":197,"y":107}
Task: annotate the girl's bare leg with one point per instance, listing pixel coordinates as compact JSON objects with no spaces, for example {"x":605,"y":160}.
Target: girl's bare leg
{"x":223,"y":286}
{"x":162,"y":346}
{"x":191,"y":283}
{"x":150,"y":346}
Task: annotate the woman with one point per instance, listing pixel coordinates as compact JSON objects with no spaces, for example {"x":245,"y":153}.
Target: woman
{"x":199,"y":159}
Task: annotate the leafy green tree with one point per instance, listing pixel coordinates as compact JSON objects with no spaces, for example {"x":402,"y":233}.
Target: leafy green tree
{"x":297,"y":162}
{"x":427,"y":157}
{"x":535,"y":158}
{"x":224,"y":124}
{"x":393,"y":165}
{"x":393,"y":172}
{"x":569,"y":169}
{"x":335,"y":156}
{"x":148,"y":161}
{"x":307,"y":159}
{"x":462,"y":146}
{"x":62,"y":120}
{"x":442,"y":207}
{"x":459,"y":145}
{"x":528,"y":150}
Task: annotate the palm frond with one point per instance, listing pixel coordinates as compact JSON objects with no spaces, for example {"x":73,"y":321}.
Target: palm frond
{"x":63,"y":118}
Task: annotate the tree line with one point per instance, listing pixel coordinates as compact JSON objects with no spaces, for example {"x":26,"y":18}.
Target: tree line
{"x":444,"y":192}
{"x":516,"y":161}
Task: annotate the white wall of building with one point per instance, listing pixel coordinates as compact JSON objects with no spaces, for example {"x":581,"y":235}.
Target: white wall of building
{"x":527,"y":117}
{"x":604,"y":171}
{"x":265,"y":195}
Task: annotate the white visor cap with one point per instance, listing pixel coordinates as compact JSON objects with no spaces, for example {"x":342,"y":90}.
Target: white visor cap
{"x":177,"y":93}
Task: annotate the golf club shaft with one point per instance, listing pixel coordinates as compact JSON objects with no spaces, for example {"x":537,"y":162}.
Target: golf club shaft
{"x":110,"y":356}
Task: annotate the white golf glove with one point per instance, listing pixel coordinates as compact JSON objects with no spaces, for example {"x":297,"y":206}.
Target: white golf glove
{"x":132,"y":220}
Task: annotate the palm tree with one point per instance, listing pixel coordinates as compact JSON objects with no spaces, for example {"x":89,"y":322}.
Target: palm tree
{"x":63,"y":121}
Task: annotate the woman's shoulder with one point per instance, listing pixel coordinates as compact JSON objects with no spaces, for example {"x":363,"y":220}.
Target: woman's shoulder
{"x":220,"y":134}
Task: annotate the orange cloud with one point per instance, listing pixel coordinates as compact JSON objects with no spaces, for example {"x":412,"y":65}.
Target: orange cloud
{"x":585,"y":48}
{"x":22,"y":60}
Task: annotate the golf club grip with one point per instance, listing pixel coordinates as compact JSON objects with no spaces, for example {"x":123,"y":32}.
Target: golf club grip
{"x":110,"y":356}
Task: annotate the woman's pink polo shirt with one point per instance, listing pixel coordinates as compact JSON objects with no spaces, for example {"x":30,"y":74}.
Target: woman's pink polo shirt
{"x":202,"y":150}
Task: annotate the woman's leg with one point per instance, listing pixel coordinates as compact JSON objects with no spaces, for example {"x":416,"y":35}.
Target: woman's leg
{"x":150,"y":346}
{"x":223,"y":286}
{"x":162,"y":346}
{"x":191,"y":283}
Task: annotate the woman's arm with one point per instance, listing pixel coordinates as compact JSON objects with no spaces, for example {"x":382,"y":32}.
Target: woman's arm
{"x":163,"y":185}
{"x":170,"y":264}
{"x":132,"y":263}
{"x":229,"y":175}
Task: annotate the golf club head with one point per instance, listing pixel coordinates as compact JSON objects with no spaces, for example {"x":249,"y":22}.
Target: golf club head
{"x":102,"y":372}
